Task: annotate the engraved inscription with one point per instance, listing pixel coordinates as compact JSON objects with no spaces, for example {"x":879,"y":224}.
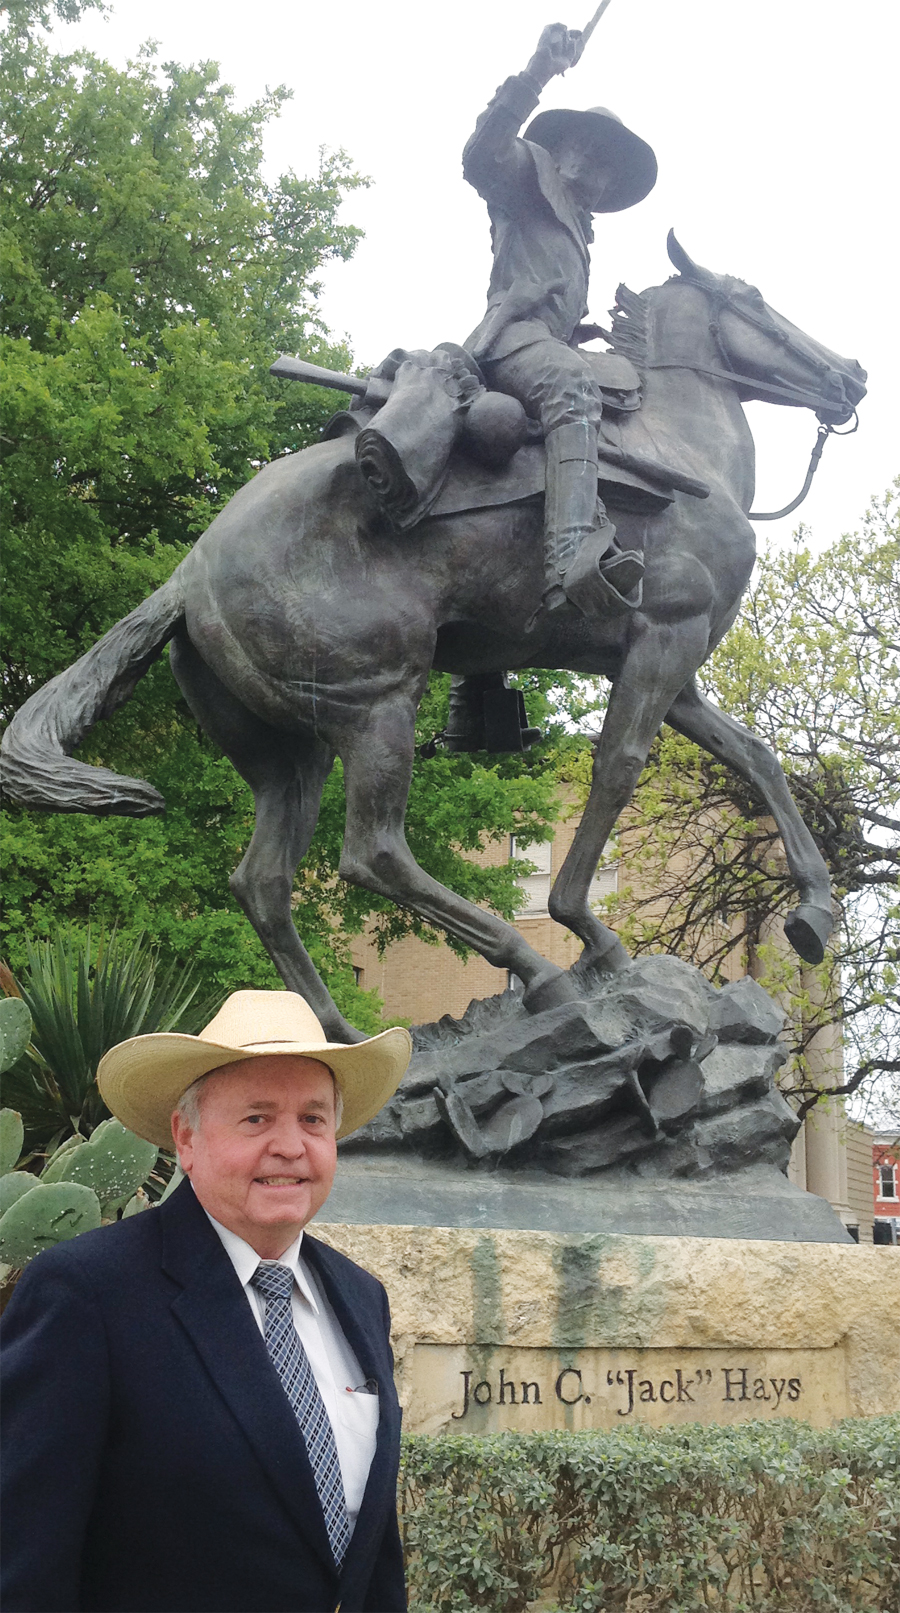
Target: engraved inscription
{"x":685,"y":1388}
{"x":483,"y":1388}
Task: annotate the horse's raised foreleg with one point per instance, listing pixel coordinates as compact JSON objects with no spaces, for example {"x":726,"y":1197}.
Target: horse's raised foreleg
{"x":377,"y":760}
{"x":810,"y":925}
{"x":286,"y":774}
{"x":659,"y":660}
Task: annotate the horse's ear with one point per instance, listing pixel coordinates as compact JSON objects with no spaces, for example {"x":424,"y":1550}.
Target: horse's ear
{"x":684,"y":264}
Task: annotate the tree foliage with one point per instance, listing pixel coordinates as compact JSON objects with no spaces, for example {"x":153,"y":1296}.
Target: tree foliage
{"x":151,"y":275}
{"x":812,"y":666}
{"x":26,"y":15}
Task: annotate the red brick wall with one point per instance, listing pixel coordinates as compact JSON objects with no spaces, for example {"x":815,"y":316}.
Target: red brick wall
{"x":886,"y":1157}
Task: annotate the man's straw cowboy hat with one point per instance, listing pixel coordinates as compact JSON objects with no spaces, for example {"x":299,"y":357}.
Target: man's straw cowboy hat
{"x":603,"y":134}
{"x":142,"y":1080}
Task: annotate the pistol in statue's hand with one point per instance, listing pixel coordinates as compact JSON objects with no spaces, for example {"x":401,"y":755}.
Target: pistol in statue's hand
{"x":558,"y":49}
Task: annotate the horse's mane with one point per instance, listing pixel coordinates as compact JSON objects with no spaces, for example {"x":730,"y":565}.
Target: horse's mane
{"x":630,"y":329}
{"x":629,"y":333}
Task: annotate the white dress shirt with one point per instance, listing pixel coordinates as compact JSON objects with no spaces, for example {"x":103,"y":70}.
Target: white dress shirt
{"x":353,"y":1412}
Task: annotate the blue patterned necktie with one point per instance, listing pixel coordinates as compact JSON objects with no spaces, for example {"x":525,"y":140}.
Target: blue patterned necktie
{"x":276,"y":1283}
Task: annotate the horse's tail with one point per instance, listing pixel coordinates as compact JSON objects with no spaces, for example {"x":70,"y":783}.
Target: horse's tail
{"x":36,"y":767}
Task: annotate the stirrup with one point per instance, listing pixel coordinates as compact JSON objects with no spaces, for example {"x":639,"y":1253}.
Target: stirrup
{"x":609,"y":579}
{"x":623,"y":569}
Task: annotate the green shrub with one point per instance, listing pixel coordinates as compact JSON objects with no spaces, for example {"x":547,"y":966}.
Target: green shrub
{"x":85,"y":992}
{"x":773,"y":1517}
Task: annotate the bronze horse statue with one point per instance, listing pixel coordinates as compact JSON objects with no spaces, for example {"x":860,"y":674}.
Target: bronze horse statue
{"x":303,"y":627}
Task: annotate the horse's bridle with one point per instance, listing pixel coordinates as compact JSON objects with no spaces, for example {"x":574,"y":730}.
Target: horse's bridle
{"x":831,"y":378}
{"x":838,"y":407}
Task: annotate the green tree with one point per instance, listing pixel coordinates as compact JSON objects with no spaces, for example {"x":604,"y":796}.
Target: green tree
{"x":813,"y":666}
{"x":29,"y":14}
{"x":151,"y":275}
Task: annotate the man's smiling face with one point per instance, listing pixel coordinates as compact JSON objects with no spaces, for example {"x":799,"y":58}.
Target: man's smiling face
{"x":263,"y":1158}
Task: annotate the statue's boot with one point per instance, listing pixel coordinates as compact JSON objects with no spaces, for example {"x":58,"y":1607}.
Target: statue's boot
{"x":486,"y":714}
{"x":584,"y":565}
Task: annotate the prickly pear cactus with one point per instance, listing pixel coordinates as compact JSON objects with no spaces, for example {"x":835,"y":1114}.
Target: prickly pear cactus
{"x":12,"y":1187}
{"x":135,"y":1205}
{"x":15,"y":1031}
{"x":113,"y":1163}
{"x":54,"y":1167}
{"x":12,"y":1134}
{"x":48,"y":1214}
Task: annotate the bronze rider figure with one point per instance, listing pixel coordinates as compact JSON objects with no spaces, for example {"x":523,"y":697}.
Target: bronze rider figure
{"x":541,"y":192}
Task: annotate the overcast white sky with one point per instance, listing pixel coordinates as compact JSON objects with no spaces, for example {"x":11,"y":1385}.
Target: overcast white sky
{"x":775,"y":126}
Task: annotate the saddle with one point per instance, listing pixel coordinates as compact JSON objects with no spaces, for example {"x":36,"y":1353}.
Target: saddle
{"x":442,"y":444}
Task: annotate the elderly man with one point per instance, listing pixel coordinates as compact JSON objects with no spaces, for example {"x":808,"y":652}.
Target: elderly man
{"x":199,"y":1400}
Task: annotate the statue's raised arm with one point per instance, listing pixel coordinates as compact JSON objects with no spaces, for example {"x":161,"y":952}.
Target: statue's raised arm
{"x":493,"y":153}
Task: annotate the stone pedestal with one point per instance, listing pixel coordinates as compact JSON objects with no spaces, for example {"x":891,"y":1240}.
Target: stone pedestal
{"x":517,"y":1330}
{"x":757,"y":1202}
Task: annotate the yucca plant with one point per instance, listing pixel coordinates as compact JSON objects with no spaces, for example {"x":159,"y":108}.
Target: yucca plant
{"x":85,"y":994}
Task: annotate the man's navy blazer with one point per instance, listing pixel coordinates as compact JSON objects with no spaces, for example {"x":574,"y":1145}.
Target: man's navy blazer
{"x":152,"y":1461}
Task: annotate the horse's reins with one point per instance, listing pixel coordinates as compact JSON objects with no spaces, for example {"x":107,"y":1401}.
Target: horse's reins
{"x":822,"y":436}
{"x":794,"y":395}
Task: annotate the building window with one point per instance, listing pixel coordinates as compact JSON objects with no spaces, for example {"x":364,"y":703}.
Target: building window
{"x":887,"y":1181}
{"x":604,"y":883}
{"x":537,"y":885}
{"x":357,"y":974}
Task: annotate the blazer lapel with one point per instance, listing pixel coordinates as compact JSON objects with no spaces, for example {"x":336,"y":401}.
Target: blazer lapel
{"x":213,"y":1311}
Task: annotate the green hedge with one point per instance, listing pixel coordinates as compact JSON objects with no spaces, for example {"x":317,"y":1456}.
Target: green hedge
{"x":778,"y":1517}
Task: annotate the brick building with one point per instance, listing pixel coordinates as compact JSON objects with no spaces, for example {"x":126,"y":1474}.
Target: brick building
{"x":886,"y":1185}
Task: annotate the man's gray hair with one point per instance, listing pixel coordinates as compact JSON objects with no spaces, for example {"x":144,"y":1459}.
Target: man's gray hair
{"x":188,"y":1105}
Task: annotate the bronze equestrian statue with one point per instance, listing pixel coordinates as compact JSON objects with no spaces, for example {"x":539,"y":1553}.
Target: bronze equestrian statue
{"x":305,"y":621}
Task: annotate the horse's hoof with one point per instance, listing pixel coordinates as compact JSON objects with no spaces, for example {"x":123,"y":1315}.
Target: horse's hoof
{"x":549,"y":991}
{"x":808,"y":929}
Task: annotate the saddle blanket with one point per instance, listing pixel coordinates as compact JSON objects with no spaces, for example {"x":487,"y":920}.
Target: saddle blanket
{"x":470,"y":486}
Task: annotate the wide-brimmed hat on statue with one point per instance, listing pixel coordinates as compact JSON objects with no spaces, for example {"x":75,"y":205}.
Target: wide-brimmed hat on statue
{"x":603,"y":134}
{"x":142,"y":1080}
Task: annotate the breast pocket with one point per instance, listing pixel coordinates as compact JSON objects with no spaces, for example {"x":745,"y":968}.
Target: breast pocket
{"x":359,"y":1416}
{"x":356,"y":1436}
